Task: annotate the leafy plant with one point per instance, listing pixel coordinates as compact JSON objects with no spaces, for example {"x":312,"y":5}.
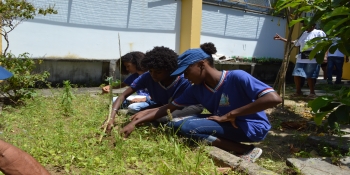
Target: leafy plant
{"x":268,"y":60}
{"x":335,"y":108}
{"x":20,"y":84}
{"x":262,"y":60}
{"x":67,"y":99}
{"x":112,"y":83}
{"x":13,"y":12}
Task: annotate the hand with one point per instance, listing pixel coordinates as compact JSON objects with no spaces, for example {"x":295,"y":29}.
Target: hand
{"x":110,"y":126}
{"x":138,"y":115}
{"x":127,"y":130}
{"x":224,"y":119}
{"x":105,"y":89}
{"x":277,"y":37}
{"x":137,"y":100}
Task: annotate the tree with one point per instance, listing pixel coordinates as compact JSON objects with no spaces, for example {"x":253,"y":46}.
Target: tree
{"x":291,"y":14}
{"x":13,"y":12}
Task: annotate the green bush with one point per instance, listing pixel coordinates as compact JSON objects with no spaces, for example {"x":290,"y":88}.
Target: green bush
{"x":24,"y":78}
{"x":335,"y":108}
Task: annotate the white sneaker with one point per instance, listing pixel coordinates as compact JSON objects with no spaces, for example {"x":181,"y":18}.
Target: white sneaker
{"x":252,"y":155}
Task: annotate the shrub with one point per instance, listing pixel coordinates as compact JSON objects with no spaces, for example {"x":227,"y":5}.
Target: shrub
{"x":24,"y":78}
{"x":335,"y":108}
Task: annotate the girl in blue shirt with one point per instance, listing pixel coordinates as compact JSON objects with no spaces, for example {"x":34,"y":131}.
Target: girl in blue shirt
{"x":235,"y":99}
{"x":131,"y":64}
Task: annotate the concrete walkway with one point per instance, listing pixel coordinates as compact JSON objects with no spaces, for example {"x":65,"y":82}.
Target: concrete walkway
{"x":83,"y":90}
{"x":320,"y":166}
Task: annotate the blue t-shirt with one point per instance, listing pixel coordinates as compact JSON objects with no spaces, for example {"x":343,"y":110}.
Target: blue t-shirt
{"x":235,"y":89}
{"x":160,"y":94}
{"x":128,"y":81}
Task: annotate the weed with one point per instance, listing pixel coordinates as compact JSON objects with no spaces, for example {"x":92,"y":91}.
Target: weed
{"x":67,"y":99}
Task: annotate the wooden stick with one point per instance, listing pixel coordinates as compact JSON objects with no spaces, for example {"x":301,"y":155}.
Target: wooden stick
{"x":110,"y":109}
{"x":111,"y":96}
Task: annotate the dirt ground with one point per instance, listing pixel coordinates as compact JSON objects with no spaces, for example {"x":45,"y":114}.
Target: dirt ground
{"x":287,"y":138}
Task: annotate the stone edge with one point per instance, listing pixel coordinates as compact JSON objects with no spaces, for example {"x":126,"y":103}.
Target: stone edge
{"x":224,"y":158}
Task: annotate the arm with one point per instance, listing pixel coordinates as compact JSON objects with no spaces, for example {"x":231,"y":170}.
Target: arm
{"x":278,"y":37}
{"x":142,"y":113}
{"x":15,"y":161}
{"x":153,"y":115}
{"x":105,"y":89}
{"x":325,"y":57}
{"x":267,"y":101}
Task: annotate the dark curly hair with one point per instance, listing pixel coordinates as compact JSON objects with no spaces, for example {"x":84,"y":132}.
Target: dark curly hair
{"x":161,"y":58}
{"x":132,"y":57}
{"x":210,"y":49}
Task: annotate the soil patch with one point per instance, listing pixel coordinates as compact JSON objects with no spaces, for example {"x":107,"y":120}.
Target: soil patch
{"x":288,"y":137}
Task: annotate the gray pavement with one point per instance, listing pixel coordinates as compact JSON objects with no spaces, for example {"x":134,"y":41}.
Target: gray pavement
{"x":224,"y":158}
{"x":320,"y":166}
{"x":82,"y":90}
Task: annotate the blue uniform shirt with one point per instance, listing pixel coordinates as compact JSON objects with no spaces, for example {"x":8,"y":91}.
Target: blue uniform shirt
{"x":160,"y":94}
{"x":131,"y":79}
{"x":235,"y":89}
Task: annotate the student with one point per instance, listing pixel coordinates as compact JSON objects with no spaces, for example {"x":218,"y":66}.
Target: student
{"x":131,"y":64}
{"x":235,"y":99}
{"x":335,"y":59}
{"x":162,"y":88}
{"x":305,"y":67}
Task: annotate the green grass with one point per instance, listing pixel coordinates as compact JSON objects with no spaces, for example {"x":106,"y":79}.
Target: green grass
{"x":69,"y":144}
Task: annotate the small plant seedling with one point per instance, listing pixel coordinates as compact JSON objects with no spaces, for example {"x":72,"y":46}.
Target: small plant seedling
{"x":67,"y":99}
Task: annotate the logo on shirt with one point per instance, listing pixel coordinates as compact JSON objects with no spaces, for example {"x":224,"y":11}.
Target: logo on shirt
{"x":224,"y":100}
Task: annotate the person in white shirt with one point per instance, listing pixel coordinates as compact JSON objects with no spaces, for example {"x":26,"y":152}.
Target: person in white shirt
{"x":336,"y":60}
{"x":305,"y":67}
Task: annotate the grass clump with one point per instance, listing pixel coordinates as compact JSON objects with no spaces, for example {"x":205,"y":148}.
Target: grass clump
{"x":68,"y":144}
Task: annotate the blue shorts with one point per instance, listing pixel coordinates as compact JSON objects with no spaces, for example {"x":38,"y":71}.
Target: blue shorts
{"x":306,"y":70}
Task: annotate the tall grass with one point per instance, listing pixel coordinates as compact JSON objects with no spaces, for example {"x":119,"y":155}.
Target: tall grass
{"x":69,"y":145}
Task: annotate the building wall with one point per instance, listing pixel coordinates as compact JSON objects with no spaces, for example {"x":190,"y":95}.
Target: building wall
{"x":83,"y":72}
{"x":90,"y":29}
{"x":239,"y":33}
